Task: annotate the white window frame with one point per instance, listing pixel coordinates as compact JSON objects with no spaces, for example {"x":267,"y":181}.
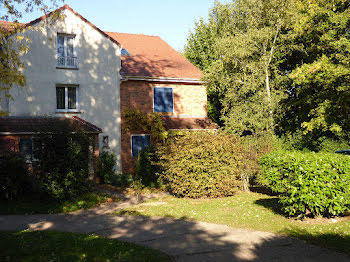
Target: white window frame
{"x":77,"y":104}
{"x":172,"y":97}
{"x":131,"y":136}
{"x":75,"y":50}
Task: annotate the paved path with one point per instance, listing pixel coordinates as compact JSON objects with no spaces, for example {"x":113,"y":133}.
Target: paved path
{"x":182,"y":239}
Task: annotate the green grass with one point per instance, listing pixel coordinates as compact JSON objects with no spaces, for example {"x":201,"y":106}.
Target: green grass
{"x":57,"y":246}
{"x":41,"y":205}
{"x":250,"y":211}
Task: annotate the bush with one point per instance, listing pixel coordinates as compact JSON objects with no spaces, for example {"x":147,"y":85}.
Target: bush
{"x":106,"y":165}
{"x":63,"y":161}
{"x":256,"y":146}
{"x":300,"y":141}
{"x":147,"y":166}
{"x":201,"y":164}
{"x":308,"y":183}
{"x":14,"y":179}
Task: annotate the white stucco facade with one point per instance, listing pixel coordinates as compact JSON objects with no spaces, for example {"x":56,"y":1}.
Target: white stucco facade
{"x":97,"y":77}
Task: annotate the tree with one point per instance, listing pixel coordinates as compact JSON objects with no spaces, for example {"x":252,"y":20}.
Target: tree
{"x":239,"y":45}
{"x":318,"y":64}
{"x":200,"y":49}
{"x":12,"y":46}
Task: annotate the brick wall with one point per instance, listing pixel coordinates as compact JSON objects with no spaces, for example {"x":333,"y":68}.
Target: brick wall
{"x":190,"y":110}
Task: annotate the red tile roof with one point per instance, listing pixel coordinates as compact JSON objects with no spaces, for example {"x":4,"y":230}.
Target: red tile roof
{"x":9,"y":25}
{"x":27,"y":125}
{"x":150,"y":55}
{"x":153,"y":57}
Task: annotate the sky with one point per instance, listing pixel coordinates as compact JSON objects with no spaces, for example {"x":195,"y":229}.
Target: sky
{"x":169,"y":19}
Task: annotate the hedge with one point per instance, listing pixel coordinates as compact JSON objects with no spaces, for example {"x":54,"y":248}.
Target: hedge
{"x":308,"y":183}
{"x":201,"y":164}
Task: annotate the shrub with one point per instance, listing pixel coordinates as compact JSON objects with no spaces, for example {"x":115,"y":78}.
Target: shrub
{"x":147,"y":166}
{"x":300,"y":141}
{"x":201,"y":164}
{"x":308,"y":183}
{"x":106,"y":165}
{"x":63,"y":161}
{"x":14,"y":179}
{"x":256,"y":146}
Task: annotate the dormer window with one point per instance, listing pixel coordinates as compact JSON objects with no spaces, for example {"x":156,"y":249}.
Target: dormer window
{"x":66,"y":51}
{"x":125,"y":52}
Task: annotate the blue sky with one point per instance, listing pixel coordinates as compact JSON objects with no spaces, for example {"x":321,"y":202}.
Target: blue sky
{"x":169,"y":19}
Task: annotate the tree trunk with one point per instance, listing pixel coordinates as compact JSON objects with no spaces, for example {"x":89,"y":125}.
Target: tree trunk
{"x":268,"y":91}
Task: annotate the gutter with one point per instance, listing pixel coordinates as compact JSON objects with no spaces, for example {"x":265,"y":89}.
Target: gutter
{"x":161,"y":79}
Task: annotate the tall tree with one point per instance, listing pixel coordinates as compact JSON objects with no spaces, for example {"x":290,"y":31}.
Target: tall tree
{"x":318,"y":64}
{"x":240,"y":65}
{"x":201,"y":45}
{"x":12,"y":46}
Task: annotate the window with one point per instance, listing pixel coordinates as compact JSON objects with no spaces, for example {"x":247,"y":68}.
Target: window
{"x":67,"y":98}
{"x":138,"y":142}
{"x":125,"y":52}
{"x":66,"y":51}
{"x":105,"y":142}
{"x":163,"y":99}
{"x":29,"y":149}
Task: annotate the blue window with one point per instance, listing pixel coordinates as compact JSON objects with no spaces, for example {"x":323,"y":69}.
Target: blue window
{"x":163,"y":99}
{"x":138,"y":142}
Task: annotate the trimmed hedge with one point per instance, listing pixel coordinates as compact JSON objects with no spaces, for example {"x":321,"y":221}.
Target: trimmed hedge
{"x":201,"y":164}
{"x":308,"y":183}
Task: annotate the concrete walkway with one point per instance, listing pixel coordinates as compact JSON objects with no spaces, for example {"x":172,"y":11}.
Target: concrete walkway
{"x":184,"y":240}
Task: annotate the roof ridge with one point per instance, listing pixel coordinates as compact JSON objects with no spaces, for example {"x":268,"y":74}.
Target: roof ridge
{"x":133,"y":34}
{"x":67,"y":7}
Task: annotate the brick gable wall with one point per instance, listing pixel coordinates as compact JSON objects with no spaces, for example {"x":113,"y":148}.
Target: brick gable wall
{"x":190,"y":110}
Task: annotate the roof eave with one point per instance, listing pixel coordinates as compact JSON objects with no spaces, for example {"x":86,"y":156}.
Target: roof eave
{"x":161,"y":79}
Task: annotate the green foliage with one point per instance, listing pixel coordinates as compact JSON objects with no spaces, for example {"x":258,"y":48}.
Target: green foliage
{"x":13,"y":46}
{"x":239,"y":45}
{"x":278,"y":66}
{"x":308,"y":183}
{"x":202,"y":164}
{"x":147,"y":166}
{"x":62,"y":168}
{"x":106,"y":165}
{"x":299,"y":141}
{"x":14,"y":179}
{"x":201,"y":50}
{"x":151,"y":123}
{"x":317,"y":58}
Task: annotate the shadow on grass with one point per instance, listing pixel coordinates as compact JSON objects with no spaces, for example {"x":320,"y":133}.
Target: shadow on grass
{"x":272,"y":204}
{"x":125,"y":212}
{"x":328,"y":240}
{"x":41,"y":204}
{"x":128,"y":213}
{"x":262,"y":190}
{"x":60,"y":246}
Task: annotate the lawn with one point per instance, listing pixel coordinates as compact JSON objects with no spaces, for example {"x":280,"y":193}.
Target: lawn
{"x":250,"y":210}
{"x":57,"y":246}
{"x":36,"y":204}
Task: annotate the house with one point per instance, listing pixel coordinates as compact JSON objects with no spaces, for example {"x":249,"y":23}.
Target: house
{"x":75,"y":70}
